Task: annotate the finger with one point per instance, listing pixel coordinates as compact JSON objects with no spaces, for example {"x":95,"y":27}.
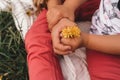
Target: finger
{"x":48,"y":20}
{"x":60,"y":34}
{"x":54,"y":19}
{"x":58,"y":45}
{"x":71,"y":18}
{"x":66,"y":41}
{"x":52,"y":23}
{"x":56,"y":41}
{"x":50,"y":28}
{"x":62,"y":47}
{"x":61,"y":52}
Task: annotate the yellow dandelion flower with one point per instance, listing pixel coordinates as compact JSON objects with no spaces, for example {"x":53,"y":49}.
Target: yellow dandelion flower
{"x":71,"y":32}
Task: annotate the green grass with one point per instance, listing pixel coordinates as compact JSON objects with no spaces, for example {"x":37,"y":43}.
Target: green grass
{"x":12,"y":52}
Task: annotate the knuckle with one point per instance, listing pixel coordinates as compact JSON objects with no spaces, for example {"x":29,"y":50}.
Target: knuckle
{"x":51,"y":23}
{"x":56,"y":51}
{"x":59,"y":47}
{"x":58,"y":13}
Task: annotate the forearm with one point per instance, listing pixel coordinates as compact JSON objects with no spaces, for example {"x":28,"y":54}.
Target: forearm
{"x":52,"y":3}
{"x":74,"y":4}
{"x":104,"y":43}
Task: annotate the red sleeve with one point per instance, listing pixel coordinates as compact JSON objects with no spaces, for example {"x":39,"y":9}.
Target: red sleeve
{"x":42,"y":62}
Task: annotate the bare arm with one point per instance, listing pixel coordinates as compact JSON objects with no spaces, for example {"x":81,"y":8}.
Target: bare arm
{"x":52,"y":3}
{"x":104,"y":43}
{"x":74,"y":4}
{"x":65,"y":10}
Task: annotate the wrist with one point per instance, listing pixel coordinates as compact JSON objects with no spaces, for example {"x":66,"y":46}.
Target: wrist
{"x":73,"y":5}
{"x":85,"y":39}
{"x":70,"y":6}
{"x":69,"y":11}
{"x":53,"y":3}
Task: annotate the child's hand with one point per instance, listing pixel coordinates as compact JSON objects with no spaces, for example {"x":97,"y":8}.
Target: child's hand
{"x":73,"y":42}
{"x":58,"y":47}
{"x":56,"y":13}
{"x":71,"y":36}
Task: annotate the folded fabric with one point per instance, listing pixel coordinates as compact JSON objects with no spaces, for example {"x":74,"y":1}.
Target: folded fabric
{"x":74,"y":66}
{"x":106,"y":20}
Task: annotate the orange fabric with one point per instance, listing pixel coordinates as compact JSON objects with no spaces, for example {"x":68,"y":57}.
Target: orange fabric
{"x":43,"y":64}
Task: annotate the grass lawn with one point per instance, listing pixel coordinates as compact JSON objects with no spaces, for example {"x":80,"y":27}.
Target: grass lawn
{"x":12,"y":52}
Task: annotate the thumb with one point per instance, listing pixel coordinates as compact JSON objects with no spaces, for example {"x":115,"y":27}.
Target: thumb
{"x":72,"y":18}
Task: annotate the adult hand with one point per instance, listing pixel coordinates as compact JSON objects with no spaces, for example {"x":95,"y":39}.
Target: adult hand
{"x":73,"y":42}
{"x":56,"y":13}
{"x":58,"y":47}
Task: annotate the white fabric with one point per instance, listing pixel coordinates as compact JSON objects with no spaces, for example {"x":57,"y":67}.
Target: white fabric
{"x":106,"y":20}
{"x":19,"y":9}
{"x":74,"y":66}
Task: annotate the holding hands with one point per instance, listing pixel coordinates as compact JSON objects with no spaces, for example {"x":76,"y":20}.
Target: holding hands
{"x":60,"y":16}
{"x":63,"y":45}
